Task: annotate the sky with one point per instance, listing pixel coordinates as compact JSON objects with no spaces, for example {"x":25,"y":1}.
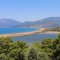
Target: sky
{"x":29,"y":10}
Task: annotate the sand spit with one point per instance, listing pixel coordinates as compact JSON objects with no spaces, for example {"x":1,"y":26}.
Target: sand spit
{"x":40,"y":31}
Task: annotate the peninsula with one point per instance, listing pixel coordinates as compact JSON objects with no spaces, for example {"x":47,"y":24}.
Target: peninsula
{"x":40,"y":31}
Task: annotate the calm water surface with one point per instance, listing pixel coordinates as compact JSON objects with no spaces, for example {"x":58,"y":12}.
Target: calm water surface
{"x":33,"y":38}
{"x":29,"y":38}
{"x":15,"y":30}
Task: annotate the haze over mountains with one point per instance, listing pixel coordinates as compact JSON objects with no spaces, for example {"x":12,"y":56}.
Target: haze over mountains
{"x":8,"y":23}
{"x":45,"y":23}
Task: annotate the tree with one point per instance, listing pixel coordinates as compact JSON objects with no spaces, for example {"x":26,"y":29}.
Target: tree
{"x":32,"y":55}
{"x":43,"y":56}
{"x":5,"y":44}
{"x":17,"y":54}
{"x":37,"y":46}
{"x":3,"y":57}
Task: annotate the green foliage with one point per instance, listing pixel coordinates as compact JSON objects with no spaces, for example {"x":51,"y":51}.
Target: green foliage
{"x":32,"y":55}
{"x":54,"y":29}
{"x":47,"y":49}
{"x":42,"y":56}
{"x":37,"y":46}
{"x":3,"y":57}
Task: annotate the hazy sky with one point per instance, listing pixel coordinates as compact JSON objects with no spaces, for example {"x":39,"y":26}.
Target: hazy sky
{"x":29,"y":10}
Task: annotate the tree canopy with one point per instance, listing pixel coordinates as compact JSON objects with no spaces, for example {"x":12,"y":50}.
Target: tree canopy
{"x":47,"y":49}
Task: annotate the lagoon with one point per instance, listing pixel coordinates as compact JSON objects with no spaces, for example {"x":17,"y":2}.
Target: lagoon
{"x":34,"y":37}
{"x":28,"y":38}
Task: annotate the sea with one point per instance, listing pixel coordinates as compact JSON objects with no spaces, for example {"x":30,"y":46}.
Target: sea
{"x":28,"y":38}
{"x":16,"y":30}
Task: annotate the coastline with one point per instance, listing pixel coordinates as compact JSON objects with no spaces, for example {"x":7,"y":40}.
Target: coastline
{"x":39,"y":31}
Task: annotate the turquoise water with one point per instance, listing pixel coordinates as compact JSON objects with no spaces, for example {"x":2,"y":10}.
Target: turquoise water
{"x":33,"y":38}
{"x":29,"y":38}
{"x":15,"y":30}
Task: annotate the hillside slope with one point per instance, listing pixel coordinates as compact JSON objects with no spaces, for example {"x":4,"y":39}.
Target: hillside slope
{"x":50,"y":22}
{"x":8,"y":23}
{"x":45,"y":23}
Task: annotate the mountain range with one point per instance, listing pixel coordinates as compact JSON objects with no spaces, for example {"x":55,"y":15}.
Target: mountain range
{"x":8,"y":23}
{"x":49,"y":22}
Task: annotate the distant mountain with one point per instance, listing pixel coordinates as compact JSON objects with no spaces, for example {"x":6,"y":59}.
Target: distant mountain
{"x":46,"y":23}
{"x":50,"y":22}
{"x":8,"y":23}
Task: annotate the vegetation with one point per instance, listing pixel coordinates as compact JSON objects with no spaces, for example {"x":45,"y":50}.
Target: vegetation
{"x":47,"y":49}
{"x":54,"y":29}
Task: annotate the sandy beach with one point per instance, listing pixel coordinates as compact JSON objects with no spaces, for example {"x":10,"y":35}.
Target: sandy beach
{"x":40,"y":31}
{"x":51,"y":32}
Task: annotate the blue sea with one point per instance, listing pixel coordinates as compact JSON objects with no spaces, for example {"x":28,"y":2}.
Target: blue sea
{"x":15,"y":30}
{"x":28,"y":38}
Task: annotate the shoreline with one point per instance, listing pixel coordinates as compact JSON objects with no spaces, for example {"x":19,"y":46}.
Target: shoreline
{"x":39,"y":31}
